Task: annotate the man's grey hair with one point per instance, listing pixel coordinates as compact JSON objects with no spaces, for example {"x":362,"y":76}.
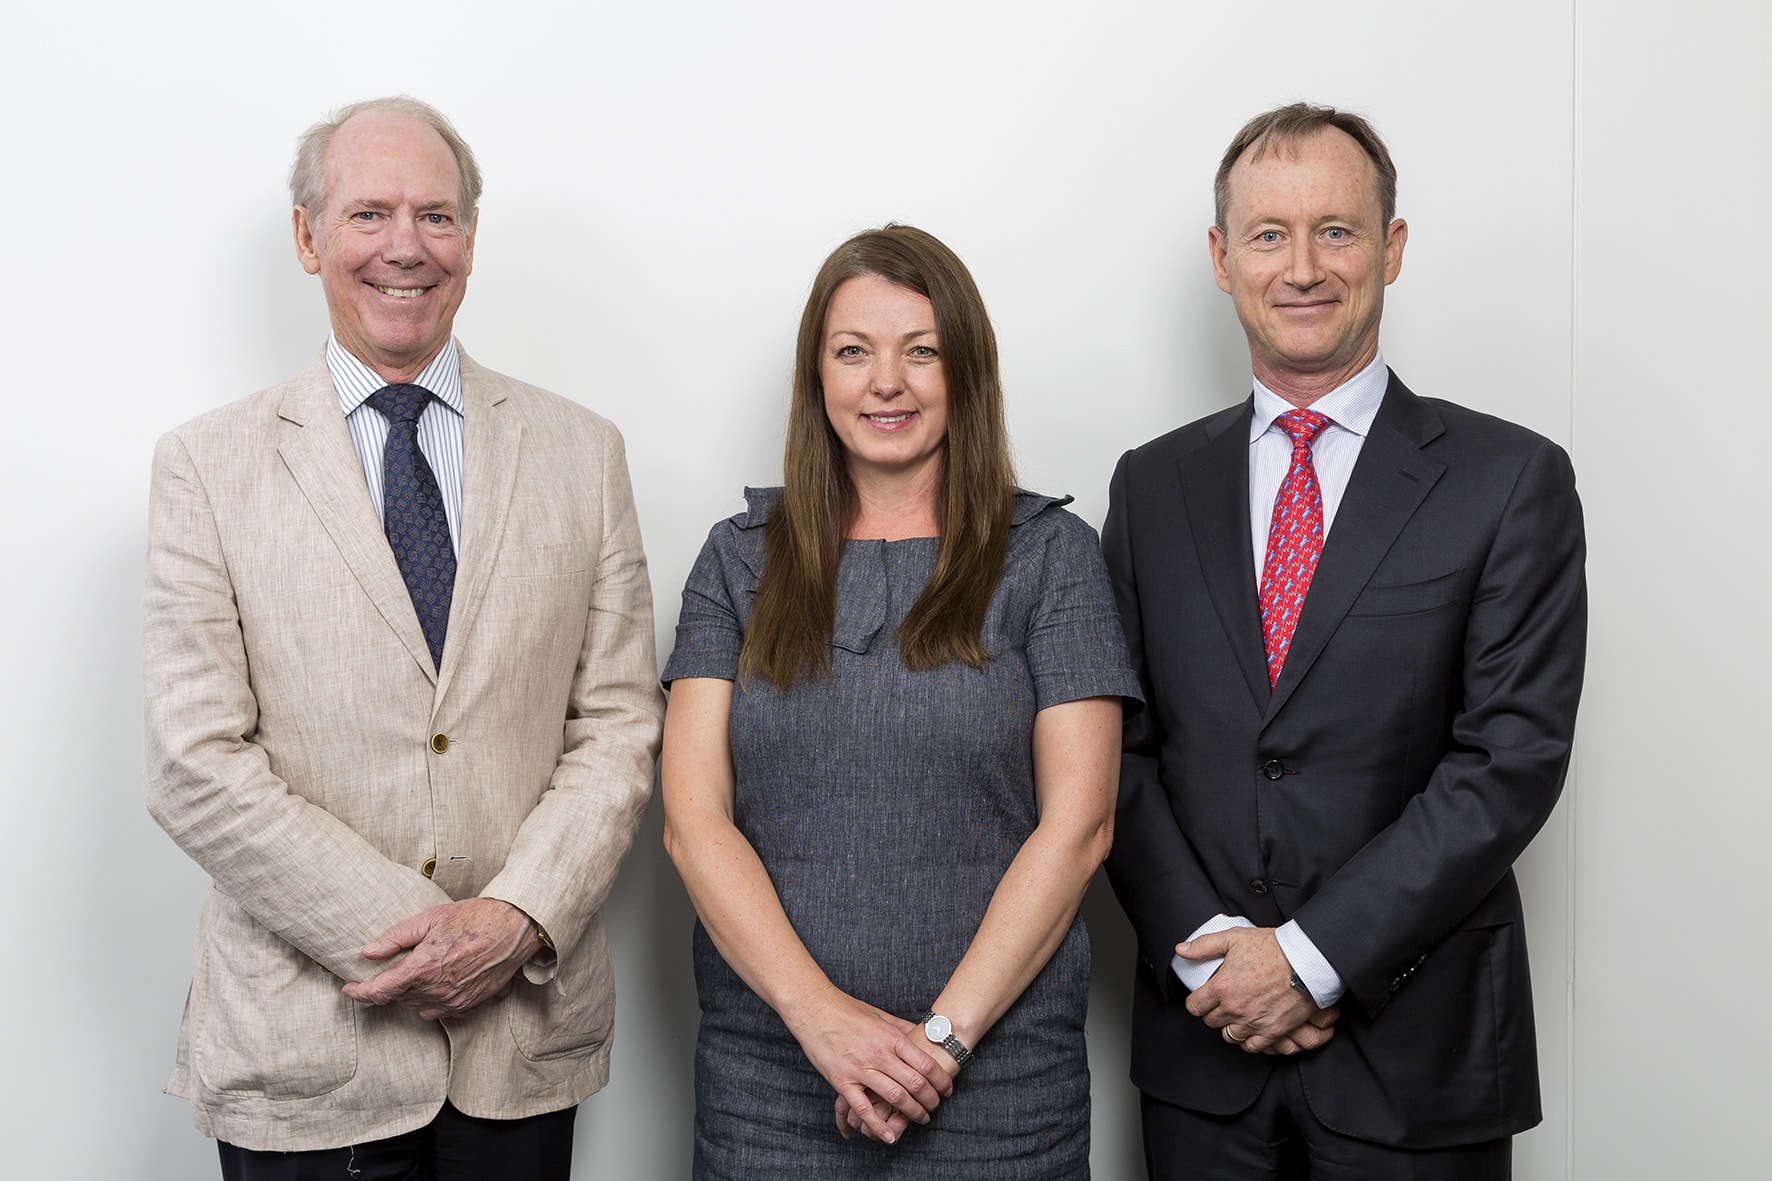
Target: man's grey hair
{"x":307,"y":176}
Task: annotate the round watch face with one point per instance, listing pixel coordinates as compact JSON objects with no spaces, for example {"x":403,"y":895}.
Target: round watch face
{"x":938,"y":1028}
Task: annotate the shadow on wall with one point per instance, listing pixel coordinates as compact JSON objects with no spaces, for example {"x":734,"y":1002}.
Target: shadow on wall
{"x":1116,"y":1144}
{"x":641,"y":1124}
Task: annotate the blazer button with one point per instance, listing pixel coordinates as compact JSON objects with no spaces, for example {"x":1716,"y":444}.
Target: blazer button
{"x":429,"y":867}
{"x":1259,"y":887}
{"x":1273,"y":769}
{"x":440,"y":744}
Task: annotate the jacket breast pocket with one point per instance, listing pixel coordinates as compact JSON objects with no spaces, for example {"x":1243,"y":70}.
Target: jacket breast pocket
{"x":268,"y":1021}
{"x":546,"y":561}
{"x":1409,"y":598}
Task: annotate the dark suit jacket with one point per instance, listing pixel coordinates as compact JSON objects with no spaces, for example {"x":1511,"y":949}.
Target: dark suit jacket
{"x":1415,"y":742}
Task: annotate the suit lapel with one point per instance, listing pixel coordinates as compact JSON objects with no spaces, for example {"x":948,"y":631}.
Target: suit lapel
{"x":1389,"y":481}
{"x":491,"y":443}
{"x":319,"y":454}
{"x":1215,"y":496}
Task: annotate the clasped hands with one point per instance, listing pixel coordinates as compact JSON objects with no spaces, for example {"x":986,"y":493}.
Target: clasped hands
{"x":884,"y":1079}
{"x":462,"y":954}
{"x":1251,"y":999}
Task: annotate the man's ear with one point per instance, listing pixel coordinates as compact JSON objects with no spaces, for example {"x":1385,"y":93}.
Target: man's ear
{"x":1215,"y":246}
{"x":305,"y":246}
{"x":1395,"y":238}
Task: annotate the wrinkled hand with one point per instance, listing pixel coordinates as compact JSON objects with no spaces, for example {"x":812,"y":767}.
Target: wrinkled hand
{"x":871,"y":1061}
{"x":462,"y":955}
{"x":1252,"y":994}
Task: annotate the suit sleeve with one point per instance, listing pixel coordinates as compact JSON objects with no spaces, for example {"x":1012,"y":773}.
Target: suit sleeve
{"x":1155,"y":873}
{"x":294,"y":867}
{"x":1524,"y":651}
{"x":564,"y":859}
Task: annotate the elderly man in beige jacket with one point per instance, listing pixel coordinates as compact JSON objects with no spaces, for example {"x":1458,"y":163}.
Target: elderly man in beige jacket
{"x":402,"y":708}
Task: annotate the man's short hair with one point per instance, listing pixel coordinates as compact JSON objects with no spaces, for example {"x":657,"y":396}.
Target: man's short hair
{"x":307,"y":176}
{"x":1285,"y":127}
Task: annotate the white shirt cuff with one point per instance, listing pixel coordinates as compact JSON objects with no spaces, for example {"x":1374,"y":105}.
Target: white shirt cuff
{"x":1194,"y":973}
{"x":1323,"y":981}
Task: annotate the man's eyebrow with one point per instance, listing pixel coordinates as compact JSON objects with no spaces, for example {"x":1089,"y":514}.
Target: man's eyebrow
{"x":381,"y":206}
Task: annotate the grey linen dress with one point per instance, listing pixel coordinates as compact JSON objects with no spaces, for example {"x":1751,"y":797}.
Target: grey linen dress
{"x":886,"y":805}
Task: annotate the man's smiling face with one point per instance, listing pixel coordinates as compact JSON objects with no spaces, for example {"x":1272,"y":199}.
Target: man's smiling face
{"x":393,"y":247}
{"x":1305,"y":255}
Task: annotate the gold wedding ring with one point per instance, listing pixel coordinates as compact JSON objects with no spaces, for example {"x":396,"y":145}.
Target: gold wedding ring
{"x":1233,"y":1038}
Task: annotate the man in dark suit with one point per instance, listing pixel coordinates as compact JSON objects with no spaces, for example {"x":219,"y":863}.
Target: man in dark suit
{"x":1359,"y":617}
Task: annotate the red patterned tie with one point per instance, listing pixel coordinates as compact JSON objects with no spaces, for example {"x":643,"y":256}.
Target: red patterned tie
{"x":1294,"y":541}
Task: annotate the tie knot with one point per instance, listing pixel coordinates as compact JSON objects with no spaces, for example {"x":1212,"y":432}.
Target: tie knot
{"x":400,"y":403}
{"x":1303,"y":426}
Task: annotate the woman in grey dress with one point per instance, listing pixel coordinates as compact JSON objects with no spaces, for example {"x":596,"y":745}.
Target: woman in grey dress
{"x":890,"y":761}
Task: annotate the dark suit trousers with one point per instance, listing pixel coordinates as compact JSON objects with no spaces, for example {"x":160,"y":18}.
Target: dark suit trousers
{"x":452,"y":1147}
{"x":1278,"y":1139}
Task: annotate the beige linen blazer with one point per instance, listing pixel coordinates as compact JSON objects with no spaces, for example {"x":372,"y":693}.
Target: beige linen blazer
{"x":303,"y":750}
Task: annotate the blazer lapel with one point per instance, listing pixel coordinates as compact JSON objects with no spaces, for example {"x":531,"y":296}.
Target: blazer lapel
{"x":321,"y":457}
{"x":1389,"y":481}
{"x":491,"y":443}
{"x":1215,"y":496}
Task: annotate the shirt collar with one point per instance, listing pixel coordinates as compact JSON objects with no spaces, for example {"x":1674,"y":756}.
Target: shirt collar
{"x":1352,"y":405}
{"x":354,"y":381}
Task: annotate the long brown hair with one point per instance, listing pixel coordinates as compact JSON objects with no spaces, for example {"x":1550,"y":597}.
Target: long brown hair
{"x":790,"y":628}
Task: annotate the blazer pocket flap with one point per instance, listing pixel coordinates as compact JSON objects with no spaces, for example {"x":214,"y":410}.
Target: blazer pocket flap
{"x":267,"y":1020}
{"x":1498,"y":908}
{"x":571,"y":1014}
{"x":1408,"y":597}
{"x":545,"y":561}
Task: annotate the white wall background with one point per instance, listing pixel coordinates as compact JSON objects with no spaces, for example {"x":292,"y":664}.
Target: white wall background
{"x":1586,"y":188}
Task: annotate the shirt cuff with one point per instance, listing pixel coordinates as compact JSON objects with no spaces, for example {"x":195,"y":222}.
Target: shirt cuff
{"x":1323,"y":982}
{"x":1194,"y":973}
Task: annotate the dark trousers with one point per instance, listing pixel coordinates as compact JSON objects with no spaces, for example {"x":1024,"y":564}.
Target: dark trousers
{"x":452,"y":1147}
{"x":1278,"y":1139}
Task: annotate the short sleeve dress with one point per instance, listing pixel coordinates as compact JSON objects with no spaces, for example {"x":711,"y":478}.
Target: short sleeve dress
{"x":886,"y":805}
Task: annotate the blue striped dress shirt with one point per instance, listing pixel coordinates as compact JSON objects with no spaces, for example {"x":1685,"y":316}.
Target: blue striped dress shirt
{"x":439,"y":427}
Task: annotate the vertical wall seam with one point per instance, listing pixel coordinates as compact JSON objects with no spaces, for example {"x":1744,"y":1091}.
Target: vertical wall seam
{"x":1571,"y":1075}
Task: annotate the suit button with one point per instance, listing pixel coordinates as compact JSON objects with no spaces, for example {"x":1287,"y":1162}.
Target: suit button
{"x":1272,"y":769}
{"x":440,"y":743}
{"x":429,"y":867}
{"x":1259,"y":887}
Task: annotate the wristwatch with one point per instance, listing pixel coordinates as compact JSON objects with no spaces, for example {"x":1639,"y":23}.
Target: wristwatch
{"x":940,"y":1030}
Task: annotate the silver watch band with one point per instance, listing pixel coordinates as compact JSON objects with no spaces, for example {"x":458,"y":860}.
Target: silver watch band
{"x":941,"y":1031}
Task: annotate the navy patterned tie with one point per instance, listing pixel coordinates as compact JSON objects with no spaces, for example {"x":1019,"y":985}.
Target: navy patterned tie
{"x":418,"y":528}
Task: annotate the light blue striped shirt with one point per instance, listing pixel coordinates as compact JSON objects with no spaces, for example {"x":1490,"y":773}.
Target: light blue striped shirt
{"x":1351,"y":407}
{"x":439,"y":427}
